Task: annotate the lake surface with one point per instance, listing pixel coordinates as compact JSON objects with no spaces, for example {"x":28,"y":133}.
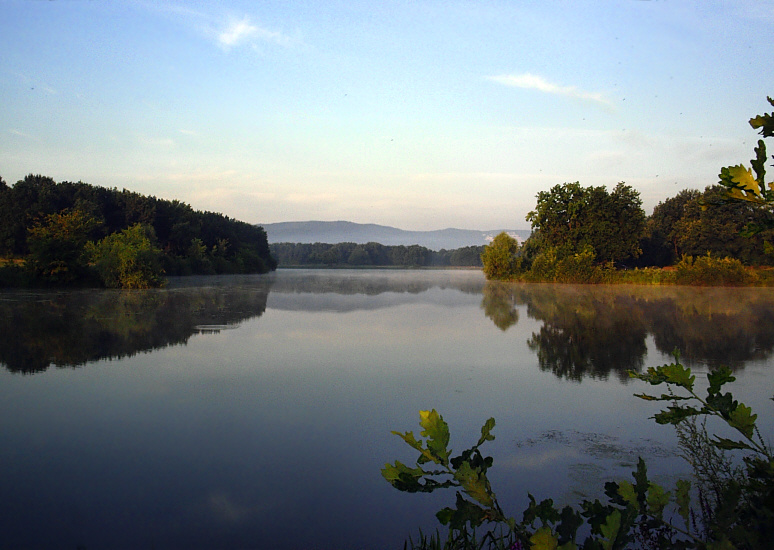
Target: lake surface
{"x":255,"y":411}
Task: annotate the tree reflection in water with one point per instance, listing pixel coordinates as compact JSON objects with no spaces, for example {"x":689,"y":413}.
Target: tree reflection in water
{"x":70,"y":328}
{"x":596,"y":330}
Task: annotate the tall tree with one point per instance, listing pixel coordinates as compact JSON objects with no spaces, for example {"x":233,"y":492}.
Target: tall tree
{"x":573,"y":219}
{"x":663,"y":225}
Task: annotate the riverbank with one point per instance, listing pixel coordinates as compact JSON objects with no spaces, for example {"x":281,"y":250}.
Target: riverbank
{"x":699,"y":271}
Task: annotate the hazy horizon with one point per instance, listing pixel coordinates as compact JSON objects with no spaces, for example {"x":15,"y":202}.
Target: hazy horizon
{"x":482,"y":229}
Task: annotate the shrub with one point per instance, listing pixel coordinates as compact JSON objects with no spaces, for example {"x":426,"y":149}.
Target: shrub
{"x":128,"y":259}
{"x":543,"y":266}
{"x":709,"y":271}
{"x":500,"y":258}
{"x":581,"y":268}
{"x":57,"y":243}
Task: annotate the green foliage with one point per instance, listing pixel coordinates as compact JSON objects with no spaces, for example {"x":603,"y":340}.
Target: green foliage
{"x":694,"y":223}
{"x":573,"y":219}
{"x":738,"y":514}
{"x":740,"y":182}
{"x":737,"y":504}
{"x":190,"y":241}
{"x":500,"y":258}
{"x":57,"y":243}
{"x":466,"y":471}
{"x":128,"y":259}
{"x":578,"y":268}
{"x":372,"y":254}
{"x":663,"y":237}
{"x":709,"y":271}
{"x":581,"y":268}
{"x":543,"y":266}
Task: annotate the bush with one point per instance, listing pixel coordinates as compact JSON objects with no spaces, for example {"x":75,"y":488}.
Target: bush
{"x":128,"y":259}
{"x":543,"y":267}
{"x":709,"y":271}
{"x":500,"y":258}
{"x":581,"y":268}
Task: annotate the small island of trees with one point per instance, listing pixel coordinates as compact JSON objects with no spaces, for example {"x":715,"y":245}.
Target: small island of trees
{"x":75,"y":233}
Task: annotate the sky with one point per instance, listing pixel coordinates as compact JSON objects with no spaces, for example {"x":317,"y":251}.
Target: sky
{"x":420,"y":115}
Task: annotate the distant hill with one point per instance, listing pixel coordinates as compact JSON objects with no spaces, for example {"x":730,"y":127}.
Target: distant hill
{"x":359,"y":233}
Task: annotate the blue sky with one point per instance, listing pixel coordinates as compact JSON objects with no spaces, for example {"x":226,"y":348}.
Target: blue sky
{"x":417,"y":114}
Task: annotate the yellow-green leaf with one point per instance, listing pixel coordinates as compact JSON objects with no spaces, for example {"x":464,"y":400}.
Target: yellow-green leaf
{"x":627,"y":492}
{"x":679,"y":375}
{"x":436,"y":430}
{"x":543,"y":539}
{"x":745,"y":185}
{"x":743,"y":420}
{"x":657,"y":499}
{"x":474,"y":484}
{"x":610,"y":529}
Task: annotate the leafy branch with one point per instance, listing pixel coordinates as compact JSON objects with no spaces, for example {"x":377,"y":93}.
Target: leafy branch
{"x":717,"y":404}
{"x":466,"y":471}
{"x":637,"y":512}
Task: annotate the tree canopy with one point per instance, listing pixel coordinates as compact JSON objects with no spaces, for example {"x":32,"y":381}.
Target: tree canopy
{"x":574,"y":219}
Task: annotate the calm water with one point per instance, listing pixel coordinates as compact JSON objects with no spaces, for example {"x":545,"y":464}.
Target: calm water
{"x":255,"y":411}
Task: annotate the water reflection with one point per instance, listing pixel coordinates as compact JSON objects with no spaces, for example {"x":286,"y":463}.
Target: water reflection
{"x":589,"y":330}
{"x":70,"y":328}
{"x":598,"y":330}
{"x":499,"y":304}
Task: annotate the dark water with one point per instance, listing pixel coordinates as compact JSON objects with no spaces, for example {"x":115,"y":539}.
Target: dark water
{"x":255,"y":411}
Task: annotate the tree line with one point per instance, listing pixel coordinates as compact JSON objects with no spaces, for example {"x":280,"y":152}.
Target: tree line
{"x":373,"y":254}
{"x":76,"y":232}
{"x":580,"y":232}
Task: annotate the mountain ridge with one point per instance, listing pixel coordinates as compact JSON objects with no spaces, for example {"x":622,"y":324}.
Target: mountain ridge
{"x":332,"y":232}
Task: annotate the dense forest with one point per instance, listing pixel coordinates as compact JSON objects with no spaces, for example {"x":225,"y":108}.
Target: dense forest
{"x":75,"y":232}
{"x":373,"y":254}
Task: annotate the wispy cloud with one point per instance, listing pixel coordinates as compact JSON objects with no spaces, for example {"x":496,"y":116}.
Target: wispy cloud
{"x":536,"y":82}
{"x":226,"y":31}
{"x":19,"y":133}
{"x":243,"y":31}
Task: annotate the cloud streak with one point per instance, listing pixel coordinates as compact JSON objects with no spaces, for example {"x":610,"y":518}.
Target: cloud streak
{"x":535,"y":82}
{"x":243,"y":31}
